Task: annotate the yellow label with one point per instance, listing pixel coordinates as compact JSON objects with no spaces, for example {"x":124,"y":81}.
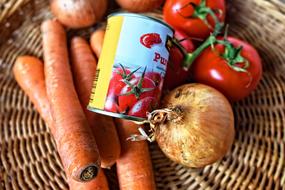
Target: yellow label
{"x":106,"y":62}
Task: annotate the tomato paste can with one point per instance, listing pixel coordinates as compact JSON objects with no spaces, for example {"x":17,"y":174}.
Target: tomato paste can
{"x":131,"y":67}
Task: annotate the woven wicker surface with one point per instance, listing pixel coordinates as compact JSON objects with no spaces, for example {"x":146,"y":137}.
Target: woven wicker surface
{"x":29,"y":160}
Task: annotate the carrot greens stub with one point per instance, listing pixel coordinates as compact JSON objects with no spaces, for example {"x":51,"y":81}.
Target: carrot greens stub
{"x":131,"y":67}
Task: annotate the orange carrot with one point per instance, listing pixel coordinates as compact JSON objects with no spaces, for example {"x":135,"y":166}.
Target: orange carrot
{"x":29,"y":73}
{"x":134,"y":168}
{"x":99,"y":183}
{"x":103,"y":127}
{"x":96,"y":41}
{"x":75,"y":142}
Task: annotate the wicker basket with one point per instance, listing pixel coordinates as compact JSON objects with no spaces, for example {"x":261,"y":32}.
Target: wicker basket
{"x":29,"y":159}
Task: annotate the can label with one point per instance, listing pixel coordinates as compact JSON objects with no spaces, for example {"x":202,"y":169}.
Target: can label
{"x":131,"y":67}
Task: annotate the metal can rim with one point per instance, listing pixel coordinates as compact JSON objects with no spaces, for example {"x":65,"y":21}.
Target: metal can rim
{"x":141,"y":16}
{"x":113,"y":114}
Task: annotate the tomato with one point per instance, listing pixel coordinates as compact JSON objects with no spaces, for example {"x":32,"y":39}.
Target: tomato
{"x":130,"y":95}
{"x":212,"y":68}
{"x":150,"y":39}
{"x":181,"y":15}
{"x":157,"y":79}
{"x":117,"y":80}
{"x":175,"y":74}
{"x":115,"y":87}
{"x":140,"y":108}
{"x":154,"y":76}
{"x":119,"y":72}
{"x":111,"y":104}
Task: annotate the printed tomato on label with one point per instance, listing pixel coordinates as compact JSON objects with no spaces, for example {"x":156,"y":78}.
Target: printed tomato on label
{"x":233,"y":67}
{"x":117,"y":80}
{"x":140,"y":108}
{"x":150,"y":39}
{"x":175,"y":74}
{"x":156,"y":77}
{"x":158,"y":81}
{"x":136,"y":89}
{"x":194,"y":17}
{"x":111,"y":104}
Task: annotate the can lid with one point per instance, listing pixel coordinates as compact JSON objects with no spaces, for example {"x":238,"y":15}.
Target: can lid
{"x":120,"y":13}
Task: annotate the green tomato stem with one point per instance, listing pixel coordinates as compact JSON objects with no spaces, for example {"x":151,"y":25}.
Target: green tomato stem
{"x":202,"y":11}
{"x":189,"y":58}
{"x":218,"y":25}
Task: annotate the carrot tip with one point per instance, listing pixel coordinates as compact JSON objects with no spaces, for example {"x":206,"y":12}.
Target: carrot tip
{"x":89,"y":173}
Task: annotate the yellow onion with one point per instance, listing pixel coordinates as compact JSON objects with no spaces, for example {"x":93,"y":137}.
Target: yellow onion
{"x":139,"y":5}
{"x":78,"y":13}
{"x":197,"y":126}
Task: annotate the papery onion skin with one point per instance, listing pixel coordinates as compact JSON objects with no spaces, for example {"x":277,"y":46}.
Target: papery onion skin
{"x":206,"y":131}
{"x":78,"y":13}
{"x":139,"y":5}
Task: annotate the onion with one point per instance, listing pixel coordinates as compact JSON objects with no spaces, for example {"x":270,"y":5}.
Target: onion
{"x":139,"y":5}
{"x":197,"y":128}
{"x":78,"y":13}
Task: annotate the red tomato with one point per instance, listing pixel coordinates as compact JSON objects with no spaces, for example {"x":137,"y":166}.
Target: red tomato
{"x":150,"y":39}
{"x":119,"y":72}
{"x":143,"y":106}
{"x":136,"y":93}
{"x":116,"y":82}
{"x":111,"y":104}
{"x":180,"y":15}
{"x":157,"y":79}
{"x":154,"y":76}
{"x":175,"y":74}
{"x":212,"y":69}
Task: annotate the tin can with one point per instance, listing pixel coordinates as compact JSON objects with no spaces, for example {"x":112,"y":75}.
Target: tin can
{"x":132,"y":66}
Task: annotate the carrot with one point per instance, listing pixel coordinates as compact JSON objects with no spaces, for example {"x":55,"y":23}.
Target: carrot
{"x":103,"y":127}
{"x":29,"y":73}
{"x":134,"y":168}
{"x":75,"y":142}
{"x":99,"y":183}
{"x":96,"y":41}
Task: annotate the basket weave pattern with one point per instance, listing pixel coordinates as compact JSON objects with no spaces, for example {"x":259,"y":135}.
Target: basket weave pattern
{"x":29,"y":160}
